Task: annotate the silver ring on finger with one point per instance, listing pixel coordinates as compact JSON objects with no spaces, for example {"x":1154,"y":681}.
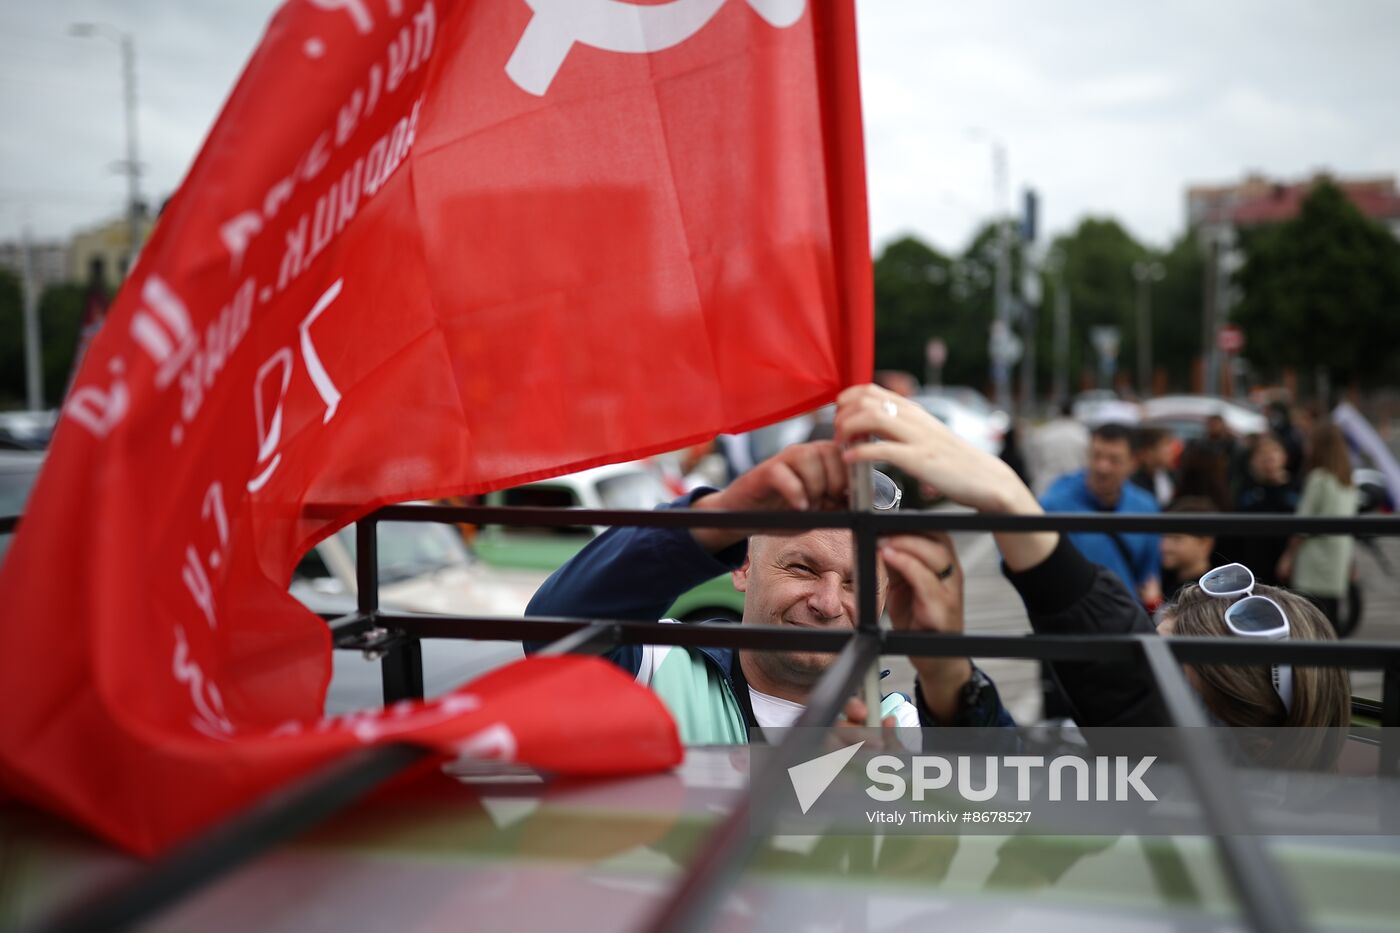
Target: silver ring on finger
{"x":889,"y":408}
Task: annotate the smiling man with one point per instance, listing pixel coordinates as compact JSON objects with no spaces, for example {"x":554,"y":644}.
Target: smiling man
{"x":801,"y":580}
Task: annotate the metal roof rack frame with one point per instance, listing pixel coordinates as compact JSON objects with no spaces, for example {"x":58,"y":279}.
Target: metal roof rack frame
{"x":1265,"y":896}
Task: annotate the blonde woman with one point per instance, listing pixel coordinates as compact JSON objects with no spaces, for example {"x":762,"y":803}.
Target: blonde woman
{"x":1320,"y":565}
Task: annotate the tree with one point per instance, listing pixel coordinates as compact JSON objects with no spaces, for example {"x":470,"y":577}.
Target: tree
{"x":1098,"y":273}
{"x":1176,"y":312}
{"x":921,"y":294}
{"x":912,"y":303}
{"x":1322,"y":291}
{"x":12,"y":390}
{"x":61,"y":311}
{"x":60,"y":317}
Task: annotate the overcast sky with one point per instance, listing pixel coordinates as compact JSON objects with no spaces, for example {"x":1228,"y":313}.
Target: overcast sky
{"x":1107,"y":108}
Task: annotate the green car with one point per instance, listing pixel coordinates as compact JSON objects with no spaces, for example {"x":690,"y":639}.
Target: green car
{"x":539,"y":551}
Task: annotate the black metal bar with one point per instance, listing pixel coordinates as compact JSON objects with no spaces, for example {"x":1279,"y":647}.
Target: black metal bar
{"x":719,"y":863}
{"x":281,"y":815}
{"x":885,"y":522}
{"x":629,"y":632}
{"x":1390,"y":698}
{"x":367,"y":565}
{"x":1350,"y":654}
{"x":1390,"y":722}
{"x":401,"y":666}
{"x":1366,"y":707}
{"x":1264,"y":891}
{"x":401,"y":671}
{"x":595,"y":639}
{"x":350,"y":624}
{"x":867,"y":596}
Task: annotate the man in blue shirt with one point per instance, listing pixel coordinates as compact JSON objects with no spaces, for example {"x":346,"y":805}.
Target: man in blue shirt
{"x":1103,"y":487}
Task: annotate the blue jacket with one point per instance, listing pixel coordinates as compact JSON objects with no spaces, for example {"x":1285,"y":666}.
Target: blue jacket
{"x":1070,"y":493}
{"x":637,"y":573}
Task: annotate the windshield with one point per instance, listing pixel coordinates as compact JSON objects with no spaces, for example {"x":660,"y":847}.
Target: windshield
{"x":639,"y":490}
{"x":412,"y":549}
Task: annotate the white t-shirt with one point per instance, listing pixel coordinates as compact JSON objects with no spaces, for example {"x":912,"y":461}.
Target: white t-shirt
{"x":776,"y":713}
{"x":773,"y":712}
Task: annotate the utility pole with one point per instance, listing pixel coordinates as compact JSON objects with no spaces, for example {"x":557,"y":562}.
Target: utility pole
{"x":33,"y":361}
{"x":1145,"y":273}
{"x":131,"y":165}
{"x":1032,"y":297}
{"x":1001,"y":366}
{"x":1002,"y":352}
{"x":1209,"y":294}
{"x":1028,"y":376}
{"x":1055,"y":265}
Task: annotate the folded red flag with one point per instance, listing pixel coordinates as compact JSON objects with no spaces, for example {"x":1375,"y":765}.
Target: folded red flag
{"x":429,"y":248}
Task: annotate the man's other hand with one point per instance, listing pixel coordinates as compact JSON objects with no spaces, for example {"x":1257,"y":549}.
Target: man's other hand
{"x":926,"y":595}
{"x":800,"y":478}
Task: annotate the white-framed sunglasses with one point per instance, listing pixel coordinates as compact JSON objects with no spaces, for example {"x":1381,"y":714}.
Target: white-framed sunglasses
{"x":1252,"y":617}
{"x":886,"y":493}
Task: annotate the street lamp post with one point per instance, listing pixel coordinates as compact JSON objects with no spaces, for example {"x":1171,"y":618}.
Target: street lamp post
{"x":1055,"y":265}
{"x":131,"y":165}
{"x":1145,"y":273}
{"x":1001,"y":325}
{"x":33,"y":358}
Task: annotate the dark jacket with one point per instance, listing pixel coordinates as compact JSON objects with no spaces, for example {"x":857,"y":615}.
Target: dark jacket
{"x":1260,"y":553}
{"x":1068,"y":595}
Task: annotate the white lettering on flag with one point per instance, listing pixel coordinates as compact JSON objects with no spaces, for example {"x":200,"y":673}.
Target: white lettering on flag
{"x":615,"y":26}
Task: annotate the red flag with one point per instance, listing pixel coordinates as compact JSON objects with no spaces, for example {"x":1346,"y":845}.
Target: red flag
{"x":429,"y":248}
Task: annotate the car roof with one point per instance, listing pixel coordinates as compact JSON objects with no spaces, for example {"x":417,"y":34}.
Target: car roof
{"x":606,"y":854}
{"x":592,"y":475}
{"x":1242,"y":419}
{"x":948,"y":403}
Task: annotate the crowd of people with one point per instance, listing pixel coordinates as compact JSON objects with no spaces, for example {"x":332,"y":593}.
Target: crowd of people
{"x":1145,"y":468}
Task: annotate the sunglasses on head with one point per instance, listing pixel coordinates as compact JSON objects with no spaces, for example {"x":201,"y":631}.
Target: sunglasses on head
{"x":1252,"y":617}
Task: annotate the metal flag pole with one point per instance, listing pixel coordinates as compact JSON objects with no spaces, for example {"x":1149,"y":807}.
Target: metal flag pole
{"x":861,"y":487}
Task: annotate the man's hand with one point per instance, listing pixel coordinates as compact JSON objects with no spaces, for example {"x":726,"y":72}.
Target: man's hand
{"x":801,"y":477}
{"x":926,"y":595}
{"x":853,"y":716}
{"x":924,"y":448}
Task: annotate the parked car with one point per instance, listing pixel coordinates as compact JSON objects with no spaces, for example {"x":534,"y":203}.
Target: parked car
{"x":1103,"y":406}
{"x":534,"y":553}
{"x":1185,"y":415}
{"x":423,"y":567}
{"x":971,"y":398}
{"x":977,"y":428}
{"x":18,"y":471}
{"x":27,"y":430}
